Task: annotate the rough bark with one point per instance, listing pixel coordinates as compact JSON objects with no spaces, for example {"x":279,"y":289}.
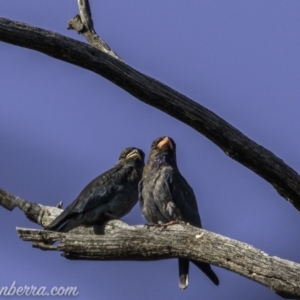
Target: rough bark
{"x":118,"y":241}
{"x":36,"y":213}
{"x":234,"y":143}
{"x":185,"y":241}
{"x":83,"y":24}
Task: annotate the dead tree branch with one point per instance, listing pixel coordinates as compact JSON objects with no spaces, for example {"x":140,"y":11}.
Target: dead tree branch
{"x":140,"y":244}
{"x":42,"y":215}
{"x":119,"y":241}
{"x":234,"y":143}
{"x":83,"y":24}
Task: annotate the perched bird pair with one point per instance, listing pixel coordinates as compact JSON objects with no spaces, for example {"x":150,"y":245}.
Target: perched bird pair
{"x":164,"y":194}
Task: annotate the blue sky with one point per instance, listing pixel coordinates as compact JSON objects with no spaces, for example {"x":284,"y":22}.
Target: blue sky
{"x":61,"y":126}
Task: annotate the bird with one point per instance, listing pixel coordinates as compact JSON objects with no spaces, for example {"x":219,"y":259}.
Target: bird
{"x":109,"y":196}
{"x":165,"y":197}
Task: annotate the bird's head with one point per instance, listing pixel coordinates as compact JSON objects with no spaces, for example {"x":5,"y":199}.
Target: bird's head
{"x":163,"y":150}
{"x":132,"y":153}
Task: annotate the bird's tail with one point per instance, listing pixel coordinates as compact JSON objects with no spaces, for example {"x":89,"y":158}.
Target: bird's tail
{"x":61,"y":222}
{"x":207,"y":270}
{"x":183,"y":273}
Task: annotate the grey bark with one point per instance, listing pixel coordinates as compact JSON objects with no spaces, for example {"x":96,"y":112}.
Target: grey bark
{"x":83,"y":24}
{"x":118,"y":241}
{"x":233,"y":142}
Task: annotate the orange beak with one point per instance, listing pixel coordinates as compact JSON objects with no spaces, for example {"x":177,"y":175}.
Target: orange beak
{"x":165,"y":141}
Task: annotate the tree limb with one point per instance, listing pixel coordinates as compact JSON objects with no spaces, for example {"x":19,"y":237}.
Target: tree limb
{"x":118,"y":241}
{"x":234,"y":143}
{"x":36,"y":213}
{"x":140,"y":244}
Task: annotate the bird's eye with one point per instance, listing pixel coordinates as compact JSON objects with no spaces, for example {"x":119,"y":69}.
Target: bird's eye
{"x":154,"y":144}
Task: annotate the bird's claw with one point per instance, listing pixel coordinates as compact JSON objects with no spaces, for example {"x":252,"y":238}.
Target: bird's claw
{"x":165,"y":225}
{"x":149,"y":225}
{"x":158,"y":226}
{"x":174,"y":223}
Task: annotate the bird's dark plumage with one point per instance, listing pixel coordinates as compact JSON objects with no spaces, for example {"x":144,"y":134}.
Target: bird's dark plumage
{"x":111,"y":195}
{"x":166,"y":196}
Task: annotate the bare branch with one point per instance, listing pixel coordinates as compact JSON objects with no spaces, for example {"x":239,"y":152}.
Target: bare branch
{"x":234,"y":143}
{"x":281,"y":276}
{"x":118,"y":241}
{"x":86,"y":14}
{"x":42,"y":215}
{"x":84,"y":24}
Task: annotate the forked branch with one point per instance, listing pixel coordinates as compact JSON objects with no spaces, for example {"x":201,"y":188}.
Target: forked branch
{"x":234,"y":143}
{"x":84,"y":25}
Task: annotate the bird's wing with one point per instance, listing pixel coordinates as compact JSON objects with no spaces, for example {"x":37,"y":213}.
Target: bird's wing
{"x":96,"y":193}
{"x":101,"y":189}
{"x":184,"y":198}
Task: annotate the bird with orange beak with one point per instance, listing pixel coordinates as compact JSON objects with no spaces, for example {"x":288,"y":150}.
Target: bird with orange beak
{"x":111,"y":195}
{"x":166,"y":197}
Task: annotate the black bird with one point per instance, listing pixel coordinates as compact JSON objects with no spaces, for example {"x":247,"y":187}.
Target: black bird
{"x":111,"y":195}
{"x":165,"y":196}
